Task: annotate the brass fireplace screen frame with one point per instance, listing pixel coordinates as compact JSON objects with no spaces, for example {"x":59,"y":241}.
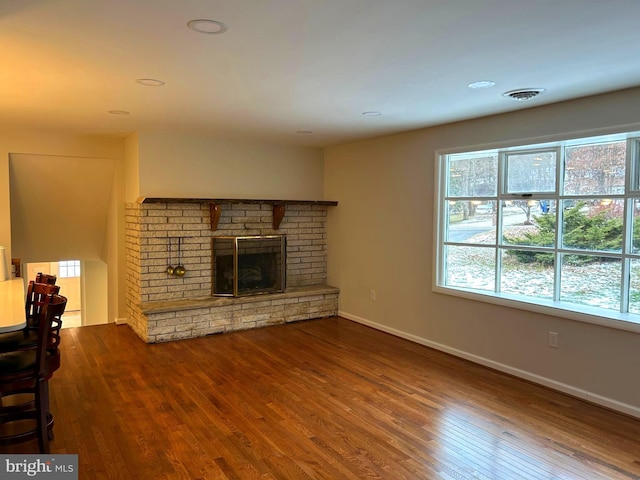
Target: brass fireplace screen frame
{"x":248,"y":265}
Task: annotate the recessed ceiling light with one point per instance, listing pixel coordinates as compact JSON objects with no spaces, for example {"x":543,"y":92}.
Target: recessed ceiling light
{"x":210,"y":27}
{"x":482,"y":84}
{"x":119,"y":112}
{"x":150,"y":82}
{"x":371,"y":114}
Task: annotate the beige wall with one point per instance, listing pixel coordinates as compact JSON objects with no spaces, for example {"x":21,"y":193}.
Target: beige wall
{"x":381,"y":238}
{"x":132,"y":168}
{"x":166,"y":165}
{"x":114,"y":251}
{"x":65,"y":145}
{"x":5,"y":208}
{"x":94,"y":302}
{"x":178,"y":165}
{"x":59,"y":205}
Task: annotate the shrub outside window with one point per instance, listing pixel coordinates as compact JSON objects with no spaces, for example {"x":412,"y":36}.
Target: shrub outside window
{"x":553,"y":225}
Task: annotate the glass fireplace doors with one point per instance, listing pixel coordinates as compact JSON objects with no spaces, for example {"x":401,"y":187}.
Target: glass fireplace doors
{"x":248,"y":265}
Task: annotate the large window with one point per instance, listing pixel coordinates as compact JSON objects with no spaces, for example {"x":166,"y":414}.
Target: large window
{"x":554,"y":226}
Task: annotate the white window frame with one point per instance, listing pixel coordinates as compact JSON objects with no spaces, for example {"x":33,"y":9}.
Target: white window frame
{"x":69,"y":266}
{"x":578,"y":312}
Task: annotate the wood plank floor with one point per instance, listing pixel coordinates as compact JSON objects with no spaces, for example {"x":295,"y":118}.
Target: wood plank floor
{"x":321,"y":399}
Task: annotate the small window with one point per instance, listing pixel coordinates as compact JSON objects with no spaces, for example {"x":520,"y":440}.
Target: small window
{"x":69,"y":268}
{"x":533,"y":171}
{"x":473,"y":175}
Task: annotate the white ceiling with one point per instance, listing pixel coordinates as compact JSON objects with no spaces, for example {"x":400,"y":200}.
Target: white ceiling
{"x":286,"y":66}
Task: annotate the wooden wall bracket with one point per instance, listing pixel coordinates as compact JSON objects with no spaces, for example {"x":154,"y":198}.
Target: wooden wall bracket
{"x":278,"y":214}
{"x":215,"y":210}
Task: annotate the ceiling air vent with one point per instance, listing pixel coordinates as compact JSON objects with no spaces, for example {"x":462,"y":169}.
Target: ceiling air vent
{"x":524,"y":94}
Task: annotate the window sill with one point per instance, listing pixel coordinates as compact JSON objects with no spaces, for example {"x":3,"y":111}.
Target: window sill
{"x":580,"y":313}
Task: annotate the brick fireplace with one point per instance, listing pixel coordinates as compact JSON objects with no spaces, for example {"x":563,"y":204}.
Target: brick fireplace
{"x":163,"y":307}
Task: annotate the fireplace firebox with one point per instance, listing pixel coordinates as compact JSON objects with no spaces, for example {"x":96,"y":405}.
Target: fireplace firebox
{"x":248,"y":265}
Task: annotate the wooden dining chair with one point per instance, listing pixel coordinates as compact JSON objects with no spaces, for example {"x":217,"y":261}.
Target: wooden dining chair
{"x":27,"y":372}
{"x":36,"y":292}
{"x":27,"y":337}
{"x":46,"y":278}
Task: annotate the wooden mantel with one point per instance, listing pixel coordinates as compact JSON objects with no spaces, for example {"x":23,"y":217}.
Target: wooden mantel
{"x":215,"y":205}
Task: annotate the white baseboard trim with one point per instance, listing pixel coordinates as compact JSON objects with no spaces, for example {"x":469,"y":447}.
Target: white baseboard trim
{"x":121,"y":321}
{"x":516,"y":372}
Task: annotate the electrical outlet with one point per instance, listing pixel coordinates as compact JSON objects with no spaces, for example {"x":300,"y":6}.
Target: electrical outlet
{"x":553,"y":339}
{"x":372,"y":295}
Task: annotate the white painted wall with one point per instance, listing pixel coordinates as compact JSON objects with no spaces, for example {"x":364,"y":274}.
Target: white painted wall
{"x":381,"y":237}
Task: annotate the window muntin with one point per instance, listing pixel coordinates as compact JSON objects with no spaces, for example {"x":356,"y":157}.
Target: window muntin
{"x":522,"y":242}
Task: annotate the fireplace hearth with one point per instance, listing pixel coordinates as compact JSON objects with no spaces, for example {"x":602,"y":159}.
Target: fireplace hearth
{"x":248,"y":265}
